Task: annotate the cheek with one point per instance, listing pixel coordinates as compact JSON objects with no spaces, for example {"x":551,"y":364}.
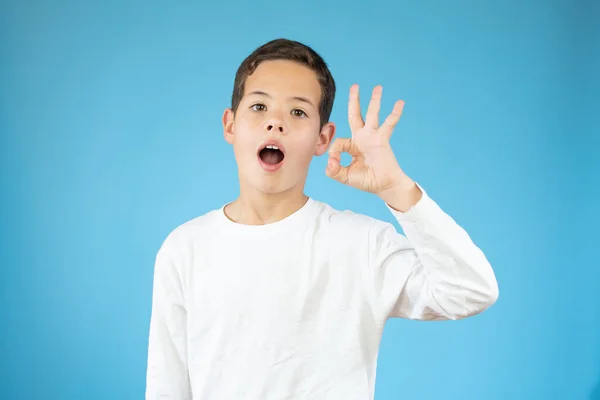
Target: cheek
{"x":303,"y":151}
{"x":250,"y":121}
{"x":245,"y":132}
{"x":244,"y":146}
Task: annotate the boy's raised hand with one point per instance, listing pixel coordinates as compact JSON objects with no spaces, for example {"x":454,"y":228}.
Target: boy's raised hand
{"x":374,"y":167}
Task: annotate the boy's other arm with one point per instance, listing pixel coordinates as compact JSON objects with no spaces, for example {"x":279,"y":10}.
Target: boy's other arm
{"x":167,"y":372}
{"x":435,"y":272}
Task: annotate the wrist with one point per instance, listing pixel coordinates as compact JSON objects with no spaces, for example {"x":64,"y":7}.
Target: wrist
{"x":402,"y":196}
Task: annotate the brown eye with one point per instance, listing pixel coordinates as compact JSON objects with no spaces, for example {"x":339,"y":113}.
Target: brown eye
{"x":258,"y":107}
{"x":298,"y":113}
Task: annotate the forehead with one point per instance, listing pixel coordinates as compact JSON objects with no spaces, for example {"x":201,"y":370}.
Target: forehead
{"x":285,"y":78}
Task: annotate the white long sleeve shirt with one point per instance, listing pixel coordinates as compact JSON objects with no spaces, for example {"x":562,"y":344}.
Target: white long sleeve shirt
{"x":296,"y":309}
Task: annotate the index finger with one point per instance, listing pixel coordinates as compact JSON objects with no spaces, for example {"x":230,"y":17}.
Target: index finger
{"x":342,"y":145}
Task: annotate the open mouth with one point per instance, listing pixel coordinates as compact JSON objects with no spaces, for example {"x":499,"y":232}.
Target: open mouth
{"x":271,"y":155}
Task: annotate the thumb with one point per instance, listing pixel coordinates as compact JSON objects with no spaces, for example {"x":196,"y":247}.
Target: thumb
{"x":335,"y":169}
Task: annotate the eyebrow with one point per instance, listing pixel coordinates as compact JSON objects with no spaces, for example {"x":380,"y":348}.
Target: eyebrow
{"x":299,"y":98}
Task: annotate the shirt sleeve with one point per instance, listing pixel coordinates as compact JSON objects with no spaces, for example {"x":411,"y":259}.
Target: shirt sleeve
{"x":167,"y":373}
{"x":435,"y":272}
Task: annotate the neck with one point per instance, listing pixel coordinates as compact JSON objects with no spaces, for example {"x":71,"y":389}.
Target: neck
{"x":253,"y":207}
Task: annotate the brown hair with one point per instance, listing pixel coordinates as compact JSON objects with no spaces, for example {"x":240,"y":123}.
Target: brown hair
{"x":285,"y":49}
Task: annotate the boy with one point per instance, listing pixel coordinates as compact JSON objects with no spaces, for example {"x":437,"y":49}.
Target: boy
{"x":279,"y":296}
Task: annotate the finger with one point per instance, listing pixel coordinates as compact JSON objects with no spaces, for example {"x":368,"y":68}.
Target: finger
{"x":390,"y":122}
{"x":374,"y":106}
{"x":341,"y":145}
{"x":336,"y":170}
{"x":354,"y":115}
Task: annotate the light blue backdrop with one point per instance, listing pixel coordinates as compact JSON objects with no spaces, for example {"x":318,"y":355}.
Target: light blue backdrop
{"x":111,"y":137}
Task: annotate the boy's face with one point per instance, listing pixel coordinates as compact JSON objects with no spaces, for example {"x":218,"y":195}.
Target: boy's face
{"x":280,"y":108}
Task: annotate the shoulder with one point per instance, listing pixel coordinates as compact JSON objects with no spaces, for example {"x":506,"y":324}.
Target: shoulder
{"x":346,"y":220}
{"x":190,"y":232}
{"x":354,"y":233}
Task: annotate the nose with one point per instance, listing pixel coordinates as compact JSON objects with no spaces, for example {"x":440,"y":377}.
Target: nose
{"x":274,"y":125}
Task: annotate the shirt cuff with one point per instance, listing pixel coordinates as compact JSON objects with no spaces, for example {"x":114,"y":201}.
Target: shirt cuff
{"x":424,"y":209}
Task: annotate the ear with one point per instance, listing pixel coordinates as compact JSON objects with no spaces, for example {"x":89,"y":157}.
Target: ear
{"x":325,"y":137}
{"x":228,"y":117}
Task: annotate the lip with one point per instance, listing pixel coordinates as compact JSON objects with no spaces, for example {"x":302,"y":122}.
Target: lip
{"x":269,"y":167}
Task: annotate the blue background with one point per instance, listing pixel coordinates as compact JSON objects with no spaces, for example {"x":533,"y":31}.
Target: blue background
{"x":111,"y":136}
